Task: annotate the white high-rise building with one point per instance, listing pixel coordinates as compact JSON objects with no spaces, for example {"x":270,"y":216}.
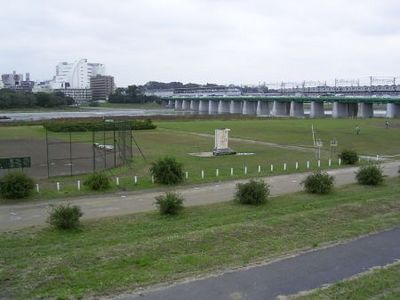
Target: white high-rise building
{"x":76,"y":75}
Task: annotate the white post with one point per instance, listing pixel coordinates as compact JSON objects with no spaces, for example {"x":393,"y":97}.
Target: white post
{"x":259,"y":169}
{"x":152,"y":179}
{"x":245,"y":170}
{"x":202,"y":174}
{"x":187,"y":175}
{"x":377,"y":157}
{"x":135,"y":179}
{"x":78,"y":185}
{"x":272,"y":168}
{"x":231,"y":171}
{"x":340,"y":161}
{"x":330,"y":162}
{"x":58,"y":186}
{"x":284,"y":167}
{"x":37,"y":188}
{"x":297,"y":165}
{"x":117,"y":181}
{"x":308,"y":164}
{"x":319,"y":163}
{"x":217,"y":172}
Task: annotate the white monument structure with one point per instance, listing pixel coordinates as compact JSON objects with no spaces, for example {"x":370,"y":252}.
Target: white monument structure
{"x":221,"y":142}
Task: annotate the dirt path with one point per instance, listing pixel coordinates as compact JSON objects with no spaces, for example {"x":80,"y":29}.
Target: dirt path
{"x":17,"y":216}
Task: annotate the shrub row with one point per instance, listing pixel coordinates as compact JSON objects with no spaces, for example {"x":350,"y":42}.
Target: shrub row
{"x":68,"y":126}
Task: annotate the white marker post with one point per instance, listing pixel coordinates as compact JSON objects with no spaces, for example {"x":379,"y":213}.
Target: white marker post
{"x":216,"y":172}
{"x":135,"y":179}
{"x":284,"y":167}
{"x":297,"y":165}
{"x":319,"y":163}
{"x":152,"y":179}
{"x":78,"y":185}
{"x":58,"y":187}
{"x":259,"y":169}
{"x":117,"y":181}
{"x":37,"y":188}
{"x":330,"y":163}
{"x":231,"y":171}
{"x":340,"y":161}
{"x":377,"y":157}
{"x":308,"y":164}
{"x":245,"y":170}
{"x":187,"y":175}
{"x":272,"y":168}
{"x":202,"y":174}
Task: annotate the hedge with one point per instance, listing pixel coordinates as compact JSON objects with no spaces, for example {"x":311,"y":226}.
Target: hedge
{"x":68,"y":126}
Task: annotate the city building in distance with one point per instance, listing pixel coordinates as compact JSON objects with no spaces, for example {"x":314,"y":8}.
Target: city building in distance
{"x":16,"y":81}
{"x":102,"y":87}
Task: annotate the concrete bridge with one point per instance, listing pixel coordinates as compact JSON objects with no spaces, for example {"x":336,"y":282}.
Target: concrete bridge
{"x":342,"y":107}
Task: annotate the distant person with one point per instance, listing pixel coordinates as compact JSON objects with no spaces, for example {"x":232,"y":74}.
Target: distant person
{"x":358,"y":130}
{"x":387,"y":124}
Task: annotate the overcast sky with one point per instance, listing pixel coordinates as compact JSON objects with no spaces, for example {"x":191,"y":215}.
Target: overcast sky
{"x":221,"y":41}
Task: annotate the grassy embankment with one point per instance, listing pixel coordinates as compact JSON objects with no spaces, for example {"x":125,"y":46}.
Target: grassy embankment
{"x":115,"y":254}
{"x":382,"y":283}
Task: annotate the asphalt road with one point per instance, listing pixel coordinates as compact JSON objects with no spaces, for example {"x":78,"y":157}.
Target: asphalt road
{"x":16,"y":216}
{"x":305,"y":271}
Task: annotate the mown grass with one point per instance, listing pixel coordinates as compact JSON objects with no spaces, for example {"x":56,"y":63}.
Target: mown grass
{"x":112,"y":255}
{"x":380,"y":284}
{"x":374,"y":138}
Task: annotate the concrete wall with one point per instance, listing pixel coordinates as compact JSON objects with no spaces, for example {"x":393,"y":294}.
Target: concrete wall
{"x":393,"y":110}
{"x":249,"y":107}
{"x":263,"y":108}
{"x":296,"y":109}
{"x":340,"y":110}
{"x":236,"y":107}
{"x":224,"y":107}
{"x":365,"y":110}
{"x":212,"y":107}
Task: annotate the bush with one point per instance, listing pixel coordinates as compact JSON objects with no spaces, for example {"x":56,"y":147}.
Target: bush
{"x":170,"y":204}
{"x":97,"y":182}
{"x":349,"y":157}
{"x":167,"y":171}
{"x":81,"y":126}
{"x":319,"y":183}
{"x":65,"y":217}
{"x":16,"y":185}
{"x":369,"y":175}
{"x":252,"y":192}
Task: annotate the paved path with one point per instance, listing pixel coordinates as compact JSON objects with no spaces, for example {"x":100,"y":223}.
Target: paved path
{"x":29,"y":214}
{"x":306,"y":271}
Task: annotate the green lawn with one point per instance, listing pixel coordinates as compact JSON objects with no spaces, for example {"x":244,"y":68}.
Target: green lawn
{"x":374,"y":138}
{"x":380,"y":284}
{"x":112,"y":255}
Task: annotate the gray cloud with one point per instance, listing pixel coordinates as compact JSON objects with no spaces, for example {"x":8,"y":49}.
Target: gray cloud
{"x":224,"y":41}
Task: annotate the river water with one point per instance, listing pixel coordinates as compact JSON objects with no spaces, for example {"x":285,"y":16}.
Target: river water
{"x":109,"y":113}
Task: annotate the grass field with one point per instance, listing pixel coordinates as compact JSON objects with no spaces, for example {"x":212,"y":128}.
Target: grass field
{"x":380,"y":284}
{"x":374,"y":138}
{"x":112,"y":255}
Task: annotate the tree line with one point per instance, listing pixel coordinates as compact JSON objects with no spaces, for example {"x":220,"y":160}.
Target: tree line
{"x":17,"y":99}
{"x":131,"y":94}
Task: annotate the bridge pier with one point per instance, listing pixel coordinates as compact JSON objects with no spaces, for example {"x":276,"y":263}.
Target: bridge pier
{"x":317,"y":110}
{"x":203,"y":106}
{"x":185,"y":104}
{"x":262,"y":108}
{"x":280,"y":108}
{"x":393,"y":110}
{"x":171,"y":103}
{"x":365,"y":110}
{"x":194,"y":105}
{"x":296,"y":109}
{"x":223,"y":107}
{"x":249,"y":107}
{"x":340,"y":110}
{"x":178,"y":104}
{"x":212,"y":107}
{"x":352,"y":109}
{"x":235,"y":107}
